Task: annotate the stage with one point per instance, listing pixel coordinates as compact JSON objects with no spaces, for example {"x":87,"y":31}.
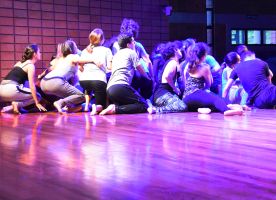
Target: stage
{"x":169,"y":156}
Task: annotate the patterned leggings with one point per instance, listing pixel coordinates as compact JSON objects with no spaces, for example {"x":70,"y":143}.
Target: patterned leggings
{"x":168,"y":103}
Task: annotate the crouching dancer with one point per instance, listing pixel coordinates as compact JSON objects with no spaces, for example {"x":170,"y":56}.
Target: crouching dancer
{"x":12,"y":87}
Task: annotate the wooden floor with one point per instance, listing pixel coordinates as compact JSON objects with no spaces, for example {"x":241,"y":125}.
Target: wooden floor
{"x":170,"y":156}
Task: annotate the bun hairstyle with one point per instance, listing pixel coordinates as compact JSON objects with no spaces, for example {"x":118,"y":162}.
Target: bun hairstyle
{"x":96,"y":38}
{"x":197,"y":53}
{"x":29,"y":52}
{"x":68,"y":47}
{"x":231,"y":59}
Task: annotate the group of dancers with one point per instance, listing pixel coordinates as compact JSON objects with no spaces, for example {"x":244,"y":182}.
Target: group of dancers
{"x":122,"y":78}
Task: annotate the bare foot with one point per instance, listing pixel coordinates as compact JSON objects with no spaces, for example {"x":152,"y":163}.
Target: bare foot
{"x":73,"y":109}
{"x":233,"y":112}
{"x":234,"y":106}
{"x":151,"y":109}
{"x":15,"y":108}
{"x":86,"y":108}
{"x":109,"y":110}
{"x":246,"y":108}
{"x":204,"y":110}
{"x":58,"y":107}
{"x":7,"y":109}
{"x":96,"y":109}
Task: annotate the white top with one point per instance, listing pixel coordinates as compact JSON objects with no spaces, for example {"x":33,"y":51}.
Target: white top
{"x":91,"y":71}
{"x":63,"y":68}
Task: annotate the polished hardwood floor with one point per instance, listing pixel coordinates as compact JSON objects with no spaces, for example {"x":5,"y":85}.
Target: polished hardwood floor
{"x":169,"y":156}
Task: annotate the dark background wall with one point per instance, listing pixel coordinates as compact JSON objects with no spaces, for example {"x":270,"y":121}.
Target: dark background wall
{"x":188,"y":19}
{"x":49,"y":22}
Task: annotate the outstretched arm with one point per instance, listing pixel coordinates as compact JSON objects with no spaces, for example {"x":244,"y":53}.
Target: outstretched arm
{"x":31,"y":78}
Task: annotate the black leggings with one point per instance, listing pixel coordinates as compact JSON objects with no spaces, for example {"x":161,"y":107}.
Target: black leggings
{"x":202,"y":98}
{"x":126,"y":99}
{"x":99,"y":89}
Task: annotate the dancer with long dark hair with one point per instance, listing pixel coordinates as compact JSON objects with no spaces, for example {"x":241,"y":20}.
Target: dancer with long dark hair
{"x":12,"y":88}
{"x":197,"y":95}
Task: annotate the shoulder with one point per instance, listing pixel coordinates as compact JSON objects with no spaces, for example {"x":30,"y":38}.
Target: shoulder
{"x":205,"y":66}
{"x":172,"y":65}
{"x":84,"y":52}
{"x":210,"y":60}
{"x":139,"y":46}
{"x":72,"y":56}
{"x":26,"y":64}
{"x":104,"y":49}
{"x":173,"y":62}
{"x":227,"y":69}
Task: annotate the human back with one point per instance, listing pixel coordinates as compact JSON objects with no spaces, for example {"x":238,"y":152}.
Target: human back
{"x":253,"y":74}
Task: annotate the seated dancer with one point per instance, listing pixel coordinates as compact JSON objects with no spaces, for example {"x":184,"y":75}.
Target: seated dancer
{"x":12,"y":87}
{"x":166,"y":95}
{"x":143,"y":84}
{"x":92,"y":77}
{"x":125,"y":98}
{"x":236,"y":93}
{"x":255,"y":76}
{"x":57,"y":81}
{"x":157,"y":63}
{"x":197,"y":95}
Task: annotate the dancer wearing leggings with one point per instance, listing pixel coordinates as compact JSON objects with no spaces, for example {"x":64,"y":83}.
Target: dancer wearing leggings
{"x":166,"y":95}
{"x":60,"y":81}
{"x":12,"y":88}
{"x":197,"y":95}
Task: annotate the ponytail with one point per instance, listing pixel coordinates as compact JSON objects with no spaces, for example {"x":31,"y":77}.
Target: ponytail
{"x":29,"y":52}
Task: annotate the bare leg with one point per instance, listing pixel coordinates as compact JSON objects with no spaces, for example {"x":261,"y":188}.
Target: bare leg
{"x":234,"y":106}
{"x":58,"y":107}
{"x":96,"y":109}
{"x":246,"y":108}
{"x":109,"y":110}
{"x":7,"y":109}
{"x":151,"y":109}
{"x":233,"y":112}
{"x":87,"y":100}
{"x":15,"y":107}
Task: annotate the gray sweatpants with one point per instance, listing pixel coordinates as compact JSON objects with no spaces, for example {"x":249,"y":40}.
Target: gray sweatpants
{"x":11,"y":91}
{"x":70,"y":96}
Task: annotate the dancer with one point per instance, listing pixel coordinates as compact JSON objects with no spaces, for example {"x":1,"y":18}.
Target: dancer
{"x":61,"y":80}
{"x":93,"y":78}
{"x":196,"y":94}
{"x":166,"y":96}
{"x":12,"y":87}
{"x":126,"y":100}
{"x":143,"y":83}
{"x":236,"y":93}
{"x":255,"y":76}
